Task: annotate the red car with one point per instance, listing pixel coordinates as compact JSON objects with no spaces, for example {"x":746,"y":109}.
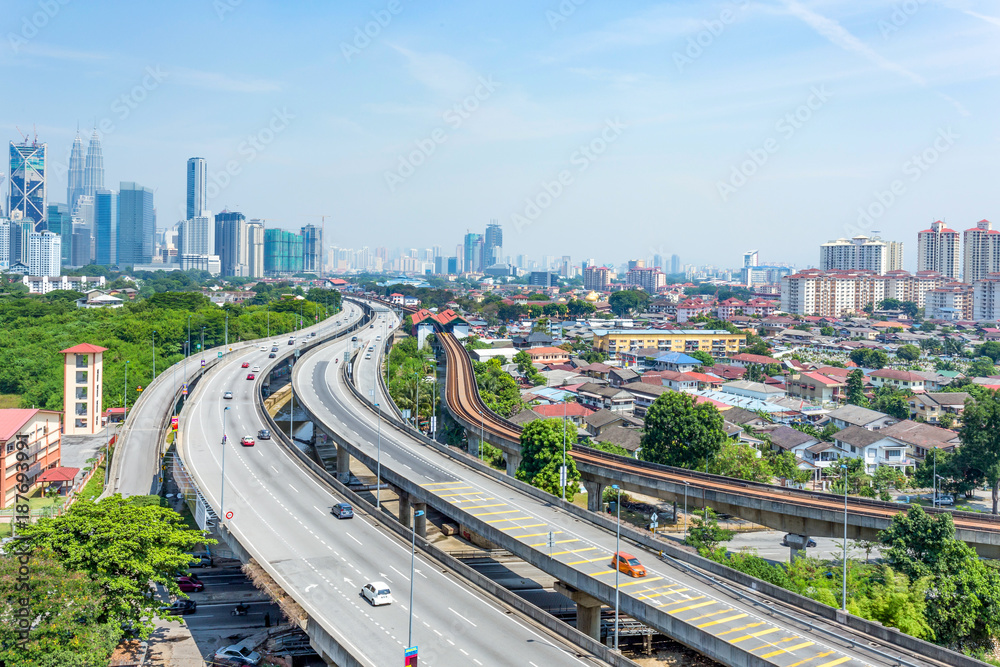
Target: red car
{"x":246,"y":364}
{"x":251,"y":376}
{"x":190,"y":584}
{"x":247,"y":441}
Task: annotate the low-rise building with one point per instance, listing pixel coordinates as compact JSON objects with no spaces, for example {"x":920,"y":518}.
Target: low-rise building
{"x":815,"y":387}
{"x":601,"y":397}
{"x":46,"y":284}
{"x":855,"y":415}
{"x":644,"y":394}
{"x":548,"y":355}
{"x":932,"y":405}
{"x":757,"y":390}
{"x":897,"y":379}
{"x":718,"y":343}
{"x":30,"y":441}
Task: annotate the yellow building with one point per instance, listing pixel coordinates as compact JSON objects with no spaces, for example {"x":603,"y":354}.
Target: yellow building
{"x":718,"y":343}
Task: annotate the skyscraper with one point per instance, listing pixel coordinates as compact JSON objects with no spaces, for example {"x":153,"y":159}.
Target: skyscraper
{"x":282,"y":252}
{"x":493,"y":248}
{"x":196,"y":236}
{"x":197,"y":186}
{"x":59,"y":221}
{"x":81,"y":252}
{"x":860,"y":252}
{"x":136,"y":225}
{"x":938,"y":250}
{"x":74,"y":187}
{"x":44,"y":254}
{"x":93,"y":171}
{"x":675,"y":264}
{"x":20,"y":230}
{"x":106,"y":223}
{"x":981,"y":251}
{"x":255,"y":249}
{"x":473,"y":253}
{"x":27,"y":181}
{"x":4,"y":243}
{"x":312,"y":249}
{"x":232,"y":243}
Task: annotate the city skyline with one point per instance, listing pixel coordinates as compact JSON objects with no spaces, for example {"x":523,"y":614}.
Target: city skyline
{"x":670,"y":119}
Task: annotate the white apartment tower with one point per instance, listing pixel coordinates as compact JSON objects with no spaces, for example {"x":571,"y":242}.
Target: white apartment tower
{"x":860,"y":253}
{"x":44,"y":254}
{"x":938,"y":250}
{"x":982,"y":252}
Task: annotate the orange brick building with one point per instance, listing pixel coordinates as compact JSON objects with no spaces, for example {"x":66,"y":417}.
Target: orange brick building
{"x":42,"y":431}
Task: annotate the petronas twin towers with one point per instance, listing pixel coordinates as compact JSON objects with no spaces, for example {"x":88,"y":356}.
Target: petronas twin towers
{"x":86,"y":175}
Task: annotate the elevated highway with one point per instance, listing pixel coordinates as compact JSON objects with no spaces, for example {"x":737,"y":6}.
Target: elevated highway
{"x":278,"y":512}
{"x":723,"y":622}
{"x":806,"y":513}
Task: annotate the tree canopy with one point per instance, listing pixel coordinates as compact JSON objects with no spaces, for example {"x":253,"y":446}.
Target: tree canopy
{"x":680,"y":432}
{"x":542,"y":456}
{"x":626,"y":302}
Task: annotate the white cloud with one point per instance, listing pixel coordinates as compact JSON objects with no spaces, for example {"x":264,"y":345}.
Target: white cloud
{"x":220,"y":82}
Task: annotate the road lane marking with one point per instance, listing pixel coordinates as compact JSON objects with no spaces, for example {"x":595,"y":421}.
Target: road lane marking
{"x":788,"y":650}
{"x":644,"y":580}
{"x":742,"y":627}
{"x":275,"y":469}
{"x":479,"y":507}
{"x":694,"y":606}
{"x":353,"y":538}
{"x":530,"y":525}
{"x":318,"y":510}
{"x":521,"y":537}
{"x":470,"y":500}
{"x":708,"y":615}
{"x":667,"y":604}
{"x":589,"y":560}
{"x":542,"y":544}
{"x":724,"y":620}
{"x":293,"y":488}
{"x":818,"y":656}
{"x":573,"y":551}
{"x":754,"y":635}
{"x":835,"y":662}
{"x":497,"y":512}
{"x":462,"y":617}
{"x":439,"y":483}
{"x":516,"y":518}
{"x":466,"y":493}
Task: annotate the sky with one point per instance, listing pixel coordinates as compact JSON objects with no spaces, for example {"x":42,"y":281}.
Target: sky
{"x":599,"y":130}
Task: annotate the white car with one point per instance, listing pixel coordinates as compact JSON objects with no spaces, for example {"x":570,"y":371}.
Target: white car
{"x":255,"y":369}
{"x":377,"y":593}
{"x":263,"y":348}
{"x":241,"y":654}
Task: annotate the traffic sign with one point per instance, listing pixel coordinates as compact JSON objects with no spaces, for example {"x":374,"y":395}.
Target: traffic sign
{"x":562,"y":475}
{"x":219,"y":354}
{"x":139,"y":389}
{"x":410,"y":655}
{"x":173,"y":423}
{"x":184,"y":389}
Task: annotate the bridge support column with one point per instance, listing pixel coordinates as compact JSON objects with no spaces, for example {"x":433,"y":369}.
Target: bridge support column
{"x":796,"y":544}
{"x":588,"y":610}
{"x":404,"y":508}
{"x":420,"y":522}
{"x":343,"y":465}
{"x":594,"y":492}
{"x":473,"y":444}
{"x":513,"y":461}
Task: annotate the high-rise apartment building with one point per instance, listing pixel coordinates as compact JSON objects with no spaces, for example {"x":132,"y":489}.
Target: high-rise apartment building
{"x":93,"y":170}
{"x":196,"y":236}
{"x":836,"y":293}
{"x":197,"y":187}
{"x":82,"y":250}
{"x":20,"y":230}
{"x":136,"y":225}
{"x":649,"y":279}
{"x":255,"y":248}
{"x":74,"y":184}
{"x":44,"y":254}
{"x":282,"y":252}
{"x":859,"y":253}
{"x":893,"y":255}
{"x":938,"y":250}
{"x":312,"y":249}
{"x":27,"y":181}
{"x":597,"y":278}
{"x":981,"y":252}
{"x":675,"y":264}
{"x":473,"y":253}
{"x":232,"y":243}
{"x":106,"y":227}
{"x":493,"y":248}
{"x":4,"y":243}
{"x":59,"y":221}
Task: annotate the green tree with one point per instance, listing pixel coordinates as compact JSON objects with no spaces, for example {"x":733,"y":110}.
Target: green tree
{"x":704,"y":357}
{"x":981,"y":368}
{"x":894,"y":601}
{"x":69,"y":625}
{"x":625,"y":302}
{"x":705,"y":534}
{"x":122,"y":545}
{"x":740,"y":461}
{"x":497,"y":388}
{"x":856,"y":388}
{"x":542,"y":456}
{"x":827,"y":331}
{"x":680,"y":432}
{"x":980,"y":437}
{"x":915,"y":542}
{"x":785,"y":466}
{"x":989,"y":349}
{"x":891,"y":402}
{"x":908,"y":352}
{"x":753,"y":373}
{"x":869,"y":358}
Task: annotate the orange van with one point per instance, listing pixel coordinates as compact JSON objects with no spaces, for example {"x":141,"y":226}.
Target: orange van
{"x":628,"y":564}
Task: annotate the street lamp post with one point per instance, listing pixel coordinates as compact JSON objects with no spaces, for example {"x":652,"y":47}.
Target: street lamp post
{"x":413,"y":553}
{"x":203,"y":339}
{"x":934,"y":482}
{"x":482,"y":429}
{"x":618,"y":537}
{"x":154,"y":354}
{"x":267,"y":307}
{"x":564,"y":473}
{"x":378,"y":461}
{"x":226,"y":339}
{"x":189,"y":337}
{"x":686,"y":486}
{"x":222,"y":494}
{"x":125,"y":398}
{"x":843,"y":595}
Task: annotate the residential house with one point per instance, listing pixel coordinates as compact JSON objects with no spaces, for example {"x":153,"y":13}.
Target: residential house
{"x":548,"y":355}
{"x":921,"y":438}
{"x":743,"y":360}
{"x":875,"y":448}
{"x":897,"y":379}
{"x":854,"y":415}
{"x":815,"y":387}
{"x":40,"y":432}
{"x":742,"y":417}
{"x":644,"y":395}
{"x":627,"y":438}
{"x":596,"y":371}
{"x":609,"y":398}
{"x":574,"y":412}
{"x":598,"y":422}
{"x":758,"y":390}
{"x":787,"y":439}
{"x":621,"y":376}
{"x":670,"y":379}
{"x":676,"y":361}
{"x":823,"y":455}
{"x":533,"y":339}
{"x":931,"y":405}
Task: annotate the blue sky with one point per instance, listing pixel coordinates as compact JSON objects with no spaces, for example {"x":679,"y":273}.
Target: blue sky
{"x":595,"y":129}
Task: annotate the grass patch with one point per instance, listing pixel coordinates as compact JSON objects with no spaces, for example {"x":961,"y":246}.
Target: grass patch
{"x":95,"y":486}
{"x":10,"y":401}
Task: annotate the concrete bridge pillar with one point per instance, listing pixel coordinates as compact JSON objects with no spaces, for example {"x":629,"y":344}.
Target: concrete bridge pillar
{"x":343,"y":465}
{"x":594,"y":490}
{"x":513,"y":461}
{"x":420,"y":522}
{"x":796,"y":544}
{"x":404,"y":508}
{"x":588,"y":610}
{"x":473,"y":443}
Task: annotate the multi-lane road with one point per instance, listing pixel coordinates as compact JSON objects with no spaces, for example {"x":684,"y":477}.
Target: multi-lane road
{"x":281,"y":515}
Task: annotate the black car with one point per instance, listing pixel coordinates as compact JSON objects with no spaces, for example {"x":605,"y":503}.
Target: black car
{"x":180,"y":607}
{"x":271,"y":356}
{"x":274,"y":348}
{"x":263,"y":434}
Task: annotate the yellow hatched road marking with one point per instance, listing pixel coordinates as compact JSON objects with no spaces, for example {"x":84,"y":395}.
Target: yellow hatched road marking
{"x":694,"y":606}
{"x":754,"y":635}
{"x":668,"y":590}
{"x":497,"y":512}
{"x":788,"y":650}
{"x":478,"y":507}
{"x":643,"y":580}
{"x":816,"y":657}
{"x":572,"y":551}
{"x":835,"y":662}
{"x":589,"y":560}
{"x":455,"y":488}
{"x":515,"y":518}
{"x":723,"y":620}
{"x":530,"y":525}
{"x":521,"y":537}
{"x":542,"y":544}
{"x":767,"y":645}
{"x":713,"y":613}
{"x":437,"y":483}
{"x":464,"y":493}
{"x":742,"y":627}
{"x":667,"y":604}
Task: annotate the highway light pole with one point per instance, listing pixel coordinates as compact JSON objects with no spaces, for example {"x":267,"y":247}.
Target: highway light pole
{"x":189,"y":337}
{"x":686,"y":486}
{"x":618,"y":538}
{"x":226,"y":340}
{"x":125,"y":398}
{"x":843,"y":592}
{"x":378,"y":461}
{"x":154,"y":354}
{"x":222,"y":494}
{"x":934,"y":482}
{"x":413,"y":552}
{"x":482,"y":428}
{"x":564,"y":473}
